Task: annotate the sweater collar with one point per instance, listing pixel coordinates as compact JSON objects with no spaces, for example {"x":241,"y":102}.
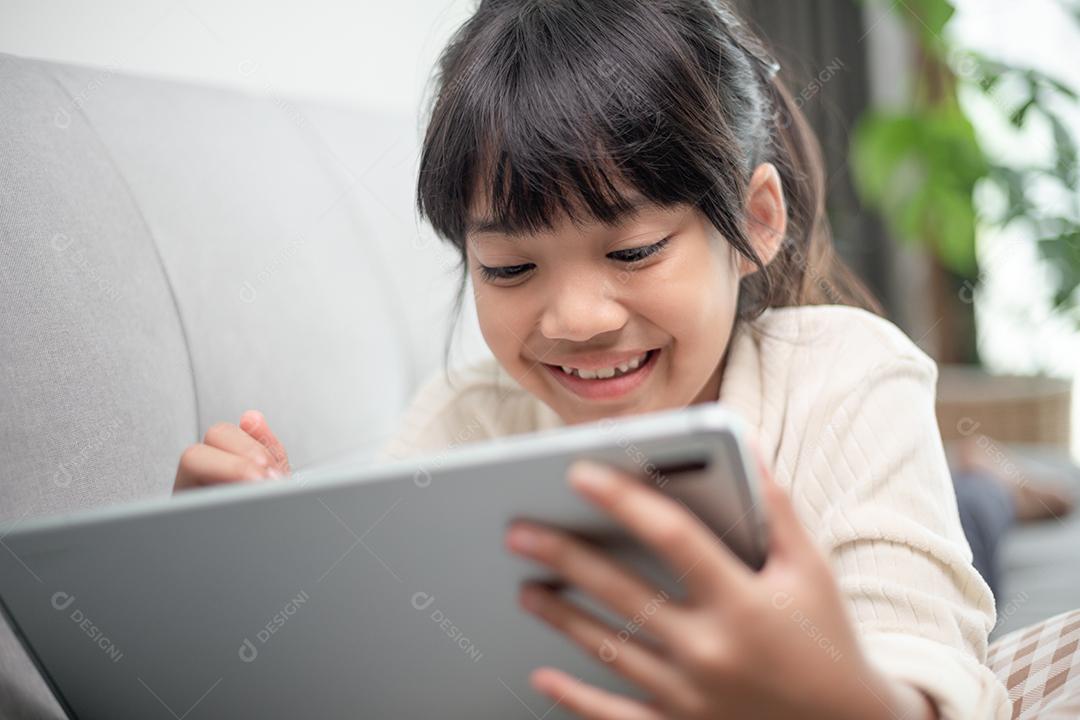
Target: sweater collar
{"x":741,"y":384}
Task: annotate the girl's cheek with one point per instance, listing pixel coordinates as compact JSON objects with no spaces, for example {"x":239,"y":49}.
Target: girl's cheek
{"x":497,"y":328}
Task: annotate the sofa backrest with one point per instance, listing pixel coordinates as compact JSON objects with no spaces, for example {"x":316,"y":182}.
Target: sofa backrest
{"x":171,"y":255}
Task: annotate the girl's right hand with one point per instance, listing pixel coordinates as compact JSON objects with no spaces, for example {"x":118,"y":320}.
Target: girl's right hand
{"x":231,"y":453}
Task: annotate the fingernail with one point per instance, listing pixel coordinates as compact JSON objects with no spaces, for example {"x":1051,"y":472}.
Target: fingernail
{"x":262,"y":461}
{"x":274,"y":473}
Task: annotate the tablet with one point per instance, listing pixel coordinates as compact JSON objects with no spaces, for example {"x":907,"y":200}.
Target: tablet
{"x":376,"y":592}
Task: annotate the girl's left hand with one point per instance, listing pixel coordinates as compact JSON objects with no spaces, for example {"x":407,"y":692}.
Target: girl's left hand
{"x":777,"y":643}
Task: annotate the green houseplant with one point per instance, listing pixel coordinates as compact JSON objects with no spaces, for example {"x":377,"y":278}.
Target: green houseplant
{"x":922,"y":167}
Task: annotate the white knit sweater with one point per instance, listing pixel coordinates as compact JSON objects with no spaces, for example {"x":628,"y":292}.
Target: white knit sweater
{"x":843,"y":404}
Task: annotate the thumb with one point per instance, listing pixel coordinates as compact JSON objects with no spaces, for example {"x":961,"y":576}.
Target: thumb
{"x":254,"y":424}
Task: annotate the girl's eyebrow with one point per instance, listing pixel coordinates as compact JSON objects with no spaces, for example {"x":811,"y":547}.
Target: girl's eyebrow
{"x":484,"y":226}
{"x":490,"y":227}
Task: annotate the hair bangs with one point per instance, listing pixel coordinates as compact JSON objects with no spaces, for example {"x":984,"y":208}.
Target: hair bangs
{"x":558,"y":129}
{"x":524,"y":188}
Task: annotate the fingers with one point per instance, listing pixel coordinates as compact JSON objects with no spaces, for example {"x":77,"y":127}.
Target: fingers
{"x":202,"y":465}
{"x":632,"y":659}
{"x":595,"y":573}
{"x":230,"y":454}
{"x":230,"y":438}
{"x":254,"y":424}
{"x":588,"y":701}
{"x":700,"y":560}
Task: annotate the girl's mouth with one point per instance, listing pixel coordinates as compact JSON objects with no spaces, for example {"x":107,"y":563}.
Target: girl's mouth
{"x":607,"y":388}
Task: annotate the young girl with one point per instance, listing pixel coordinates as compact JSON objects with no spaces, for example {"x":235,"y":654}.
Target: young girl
{"x":639,"y":205}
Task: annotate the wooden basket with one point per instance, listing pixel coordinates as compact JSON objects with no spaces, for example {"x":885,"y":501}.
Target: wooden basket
{"x":1007,"y":408}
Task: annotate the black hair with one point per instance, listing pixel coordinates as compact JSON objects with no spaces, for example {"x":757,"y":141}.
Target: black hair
{"x":548,"y":105}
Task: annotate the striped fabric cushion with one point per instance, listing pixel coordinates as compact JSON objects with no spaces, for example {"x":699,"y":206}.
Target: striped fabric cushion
{"x":1040,"y":666}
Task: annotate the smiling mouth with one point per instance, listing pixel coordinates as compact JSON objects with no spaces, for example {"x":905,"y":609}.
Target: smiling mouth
{"x":618,"y":384}
{"x":621,"y":370}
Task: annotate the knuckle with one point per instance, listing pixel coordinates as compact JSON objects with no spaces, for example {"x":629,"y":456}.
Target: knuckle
{"x":244,"y":469}
{"x":706,"y":653}
{"x":749,"y":610}
{"x":215,"y":432}
{"x":694,"y":705}
{"x":668,"y":531}
{"x":188,"y":456}
{"x":555,"y":549}
{"x":276,"y":451}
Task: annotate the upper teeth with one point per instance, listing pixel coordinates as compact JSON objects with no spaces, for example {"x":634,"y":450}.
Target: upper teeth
{"x":604,"y":373}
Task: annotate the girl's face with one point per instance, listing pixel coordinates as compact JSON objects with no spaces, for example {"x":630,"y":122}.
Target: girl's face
{"x":660,"y":289}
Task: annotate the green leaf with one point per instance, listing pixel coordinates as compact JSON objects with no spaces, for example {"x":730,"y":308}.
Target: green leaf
{"x":928,"y":18}
{"x":920,"y":170}
{"x":1019,"y":115}
{"x":1014,"y":184}
{"x":1061,"y":87}
{"x":989,"y":71}
{"x":882,"y":141}
{"x":1065,"y":145}
{"x":1063,"y":254}
{"x":953,"y":217}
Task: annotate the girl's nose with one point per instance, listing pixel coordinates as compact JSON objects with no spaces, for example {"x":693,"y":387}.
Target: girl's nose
{"x":581,"y":309}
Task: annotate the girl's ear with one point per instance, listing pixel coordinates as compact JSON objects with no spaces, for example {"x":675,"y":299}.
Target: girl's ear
{"x":766,"y":216}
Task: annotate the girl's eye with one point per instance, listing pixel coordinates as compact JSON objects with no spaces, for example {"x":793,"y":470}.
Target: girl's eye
{"x":627,"y":256}
{"x":503,"y":273}
{"x":638,"y":254}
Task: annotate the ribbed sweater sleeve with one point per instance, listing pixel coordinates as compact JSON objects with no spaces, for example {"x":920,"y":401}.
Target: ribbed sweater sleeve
{"x":875,"y":489}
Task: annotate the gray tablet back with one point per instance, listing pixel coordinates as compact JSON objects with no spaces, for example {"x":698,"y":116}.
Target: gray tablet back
{"x":368,"y":593}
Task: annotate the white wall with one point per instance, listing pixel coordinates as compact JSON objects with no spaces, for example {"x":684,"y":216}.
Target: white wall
{"x":377,"y":53}
{"x":371,"y":54}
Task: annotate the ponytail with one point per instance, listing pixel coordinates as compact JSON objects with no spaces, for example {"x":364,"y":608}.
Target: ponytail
{"x":806,"y":269}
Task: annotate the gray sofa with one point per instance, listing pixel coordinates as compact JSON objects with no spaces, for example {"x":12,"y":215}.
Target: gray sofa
{"x":1040,"y":561}
{"x":171,"y":255}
